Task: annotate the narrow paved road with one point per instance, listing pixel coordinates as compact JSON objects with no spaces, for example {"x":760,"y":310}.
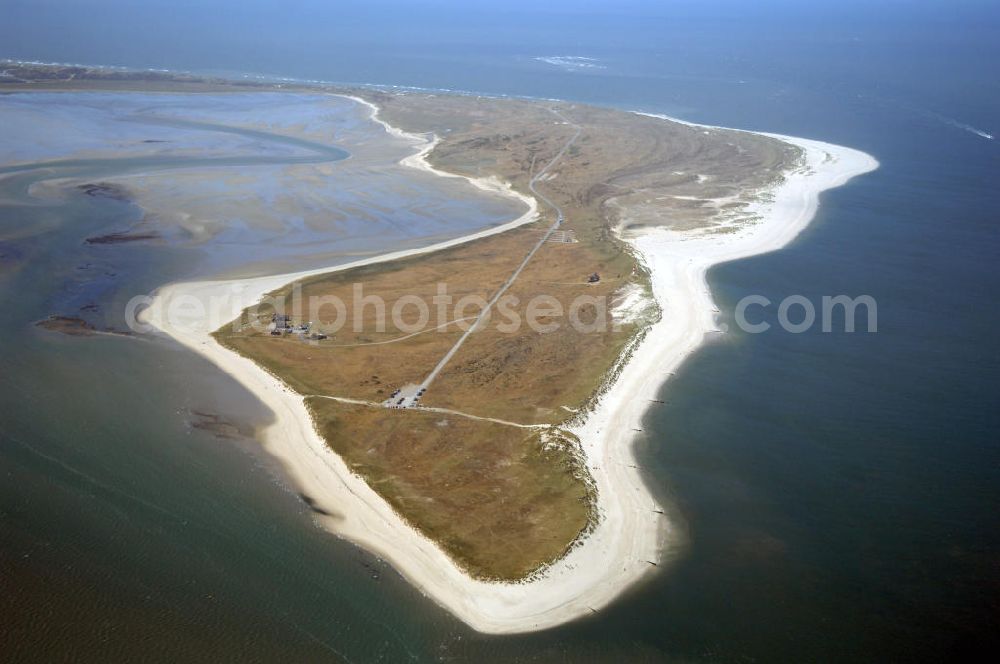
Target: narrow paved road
{"x":411,"y":399}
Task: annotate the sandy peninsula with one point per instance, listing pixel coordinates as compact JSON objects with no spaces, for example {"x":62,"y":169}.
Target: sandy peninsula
{"x":632,"y":531}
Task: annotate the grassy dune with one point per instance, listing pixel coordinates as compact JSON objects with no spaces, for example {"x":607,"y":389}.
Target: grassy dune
{"x":498,"y":498}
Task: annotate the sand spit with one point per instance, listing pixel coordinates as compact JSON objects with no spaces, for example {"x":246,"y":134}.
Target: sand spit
{"x":632,"y":532}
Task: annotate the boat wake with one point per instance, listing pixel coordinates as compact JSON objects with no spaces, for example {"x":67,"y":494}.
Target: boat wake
{"x":963,"y":126}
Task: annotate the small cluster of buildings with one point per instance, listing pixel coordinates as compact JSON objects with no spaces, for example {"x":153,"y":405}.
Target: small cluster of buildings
{"x":282,"y":324}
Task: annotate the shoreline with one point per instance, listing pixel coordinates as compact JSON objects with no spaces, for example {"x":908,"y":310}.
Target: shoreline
{"x":630,"y":534}
{"x":678,"y":264}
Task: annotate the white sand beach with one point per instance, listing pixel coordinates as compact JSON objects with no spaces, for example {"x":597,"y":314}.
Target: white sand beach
{"x":631,"y":533}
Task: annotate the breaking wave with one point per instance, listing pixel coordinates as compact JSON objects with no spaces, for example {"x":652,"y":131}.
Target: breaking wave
{"x":571,"y":62}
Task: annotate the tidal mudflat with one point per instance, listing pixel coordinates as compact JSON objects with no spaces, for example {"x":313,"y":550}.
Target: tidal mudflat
{"x":258,"y":182}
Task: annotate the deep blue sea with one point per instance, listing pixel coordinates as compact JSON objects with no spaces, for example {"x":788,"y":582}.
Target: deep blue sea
{"x":838,"y":493}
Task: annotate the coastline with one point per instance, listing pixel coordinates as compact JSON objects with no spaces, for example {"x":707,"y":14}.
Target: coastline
{"x":678,"y":263}
{"x":418,"y":160}
{"x":630,"y":533}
